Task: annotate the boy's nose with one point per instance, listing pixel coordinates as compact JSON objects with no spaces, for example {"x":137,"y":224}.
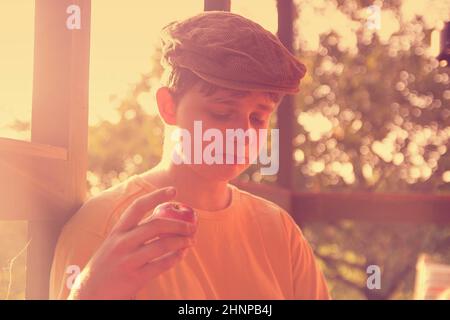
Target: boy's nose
{"x":244,"y":124}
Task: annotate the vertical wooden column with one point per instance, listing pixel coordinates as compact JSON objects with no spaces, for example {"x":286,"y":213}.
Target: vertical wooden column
{"x":219,"y":5}
{"x":59,"y":118}
{"x":444,"y":54}
{"x":285,"y":113}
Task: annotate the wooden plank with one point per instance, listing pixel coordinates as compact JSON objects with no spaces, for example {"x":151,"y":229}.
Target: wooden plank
{"x":29,"y":192}
{"x":42,"y":236}
{"x":374,"y":207}
{"x":361,"y":206}
{"x":285,"y":111}
{"x":59,"y":118}
{"x":25,"y":148}
{"x":79,"y":108}
{"x":219,"y":5}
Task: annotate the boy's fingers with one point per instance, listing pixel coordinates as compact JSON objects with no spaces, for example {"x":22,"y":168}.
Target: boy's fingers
{"x":134,"y":213}
{"x":159,"y":248}
{"x":158,"y":266}
{"x":156,"y":228}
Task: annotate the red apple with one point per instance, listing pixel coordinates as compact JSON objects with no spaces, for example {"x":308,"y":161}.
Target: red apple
{"x":175,"y":210}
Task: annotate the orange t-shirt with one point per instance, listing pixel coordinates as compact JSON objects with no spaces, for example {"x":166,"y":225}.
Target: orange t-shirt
{"x":252,"y":249}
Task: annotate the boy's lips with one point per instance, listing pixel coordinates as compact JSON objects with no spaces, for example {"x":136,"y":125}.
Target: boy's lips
{"x":235,"y":159}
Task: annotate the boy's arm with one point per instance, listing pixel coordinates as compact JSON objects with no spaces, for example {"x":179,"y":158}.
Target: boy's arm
{"x":309,"y":282}
{"x":74,"y":248}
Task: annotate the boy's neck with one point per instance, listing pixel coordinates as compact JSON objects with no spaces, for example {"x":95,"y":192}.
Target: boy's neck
{"x":192,"y":189}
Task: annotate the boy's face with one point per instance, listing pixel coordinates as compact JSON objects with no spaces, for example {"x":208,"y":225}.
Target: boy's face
{"x":223,"y":111}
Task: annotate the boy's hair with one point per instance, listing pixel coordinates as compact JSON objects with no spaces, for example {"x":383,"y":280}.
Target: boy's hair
{"x":181,"y":80}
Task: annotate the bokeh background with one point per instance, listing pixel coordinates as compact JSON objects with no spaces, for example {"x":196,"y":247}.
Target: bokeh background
{"x":373,"y":115}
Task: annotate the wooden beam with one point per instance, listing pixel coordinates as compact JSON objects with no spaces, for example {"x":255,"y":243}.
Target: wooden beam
{"x":285,"y":112}
{"x":217,"y":5}
{"x":42,"y":236}
{"x":27,"y":189}
{"x":308,"y":207}
{"x":59,"y":118}
{"x":373,"y":207}
{"x":25,"y":148}
{"x":444,"y":53}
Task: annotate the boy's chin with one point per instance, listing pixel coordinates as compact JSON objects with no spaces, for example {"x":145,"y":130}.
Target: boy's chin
{"x":220,"y":172}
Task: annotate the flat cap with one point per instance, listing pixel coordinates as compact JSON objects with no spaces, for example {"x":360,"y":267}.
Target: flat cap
{"x":231,"y":51}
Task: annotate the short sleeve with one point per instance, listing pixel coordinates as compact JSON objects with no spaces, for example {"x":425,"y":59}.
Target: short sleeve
{"x":74,"y":248}
{"x":308,"y":280}
{"x":85,"y":232}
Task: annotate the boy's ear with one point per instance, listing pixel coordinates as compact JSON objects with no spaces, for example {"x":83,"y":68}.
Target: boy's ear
{"x":166,"y":105}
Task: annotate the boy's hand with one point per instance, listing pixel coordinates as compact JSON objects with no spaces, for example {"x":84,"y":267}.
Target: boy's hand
{"x":125,"y":261}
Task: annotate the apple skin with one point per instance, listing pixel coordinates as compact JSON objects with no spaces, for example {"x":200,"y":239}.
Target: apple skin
{"x":176,"y":211}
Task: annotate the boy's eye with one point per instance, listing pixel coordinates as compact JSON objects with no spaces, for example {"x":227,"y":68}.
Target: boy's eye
{"x":221,"y":116}
{"x":258,"y":120}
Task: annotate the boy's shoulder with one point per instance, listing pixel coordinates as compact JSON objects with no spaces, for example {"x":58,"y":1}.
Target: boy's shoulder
{"x":265,"y":210}
{"x":258,"y":202}
{"x":98,"y":213}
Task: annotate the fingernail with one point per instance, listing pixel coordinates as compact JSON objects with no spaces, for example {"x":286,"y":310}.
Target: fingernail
{"x":171,"y":191}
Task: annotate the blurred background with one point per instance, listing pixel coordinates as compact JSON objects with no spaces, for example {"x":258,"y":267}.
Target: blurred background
{"x":373,"y":115}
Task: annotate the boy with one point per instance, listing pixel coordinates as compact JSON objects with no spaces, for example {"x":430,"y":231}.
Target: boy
{"x":225,"y":72}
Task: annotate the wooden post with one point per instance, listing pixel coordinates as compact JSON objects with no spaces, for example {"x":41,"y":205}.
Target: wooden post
{"x":285,"y":113}
{"x":444,"y":54}
{"x":219,"y":5}
{"x":60,"y":119}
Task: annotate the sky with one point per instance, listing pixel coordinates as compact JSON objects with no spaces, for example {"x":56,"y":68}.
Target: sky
{"x":123,"y":38}
{"x":124,"y":35}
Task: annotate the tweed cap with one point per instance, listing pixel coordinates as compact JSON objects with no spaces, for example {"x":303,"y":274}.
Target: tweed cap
{"x":231,"y":51}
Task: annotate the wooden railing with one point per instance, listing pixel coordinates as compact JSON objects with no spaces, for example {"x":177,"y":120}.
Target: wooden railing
{"x":362,"y":206}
